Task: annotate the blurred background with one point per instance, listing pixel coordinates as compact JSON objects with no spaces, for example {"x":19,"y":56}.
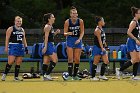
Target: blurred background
{"x":117,"y":15}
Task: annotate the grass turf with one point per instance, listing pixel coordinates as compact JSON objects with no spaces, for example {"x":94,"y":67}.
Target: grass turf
{"x":60,"y":86}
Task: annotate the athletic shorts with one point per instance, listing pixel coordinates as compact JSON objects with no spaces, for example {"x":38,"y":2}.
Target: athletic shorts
{"x":16,"y":49}
{"x":97,"y":51}
{"x":70,"y":42}
{"x":138,"y":47}
{"x":131,"y":45}
{"x":50,"y":48}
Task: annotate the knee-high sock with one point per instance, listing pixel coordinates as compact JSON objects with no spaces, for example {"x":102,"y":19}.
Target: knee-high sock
{"x":51,"y":67}
{"x":126,"y":65}
{"x":70,"y":68}
{"x":7,"y":68}
{"x":93,"y":70}
{"x":135,"y":68}
{"x":44,"y":69}
{"x":103,"y":68}
{"x":76,"y":68}
{"x":17,"y":68}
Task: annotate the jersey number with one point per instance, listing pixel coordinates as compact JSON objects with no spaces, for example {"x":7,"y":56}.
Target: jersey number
{"x":19,"y":37}
{"x":75,"y":32}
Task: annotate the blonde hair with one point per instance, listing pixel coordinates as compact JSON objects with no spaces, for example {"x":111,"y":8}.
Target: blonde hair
{"x":18,"y":17}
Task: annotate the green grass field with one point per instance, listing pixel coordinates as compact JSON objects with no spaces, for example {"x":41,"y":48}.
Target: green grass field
{"x":60,"y":86}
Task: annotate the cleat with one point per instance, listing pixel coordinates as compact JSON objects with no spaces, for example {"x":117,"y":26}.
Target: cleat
{"x":47,"y":78}
{"x":103,"y":78}
{"x":17,"y":79}
{"x":94,"y":79}
{"x":118,"y":73}
{"x":3,"y":77}
{"x":135,"y":78}
{"x":77,"y":78}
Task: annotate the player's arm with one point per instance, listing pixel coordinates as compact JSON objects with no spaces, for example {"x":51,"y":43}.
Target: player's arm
{"x":8,"y":34}
{"x":66,"y":25}
{"x":106,"y":47}
{"x":25,"y":42}
{"x":97,"y":32}
{"x":57,"y":32}
{"x":130,"y":29}
{"x":24,"y":39}
{"x":81,"y":29}
{"x":46,"y":30}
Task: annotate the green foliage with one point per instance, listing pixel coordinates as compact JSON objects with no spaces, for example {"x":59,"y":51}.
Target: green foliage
{"x":116,"y":13}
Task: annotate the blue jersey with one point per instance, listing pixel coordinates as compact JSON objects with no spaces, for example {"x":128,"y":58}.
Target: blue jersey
{"x":131,"y":43}
{"x":16,"y":48}
{"x":71,"y":39}
{"x":136,"y":31}
{"x":16,"y":35}
{"x":50,"y":45}
{"x":51,"y":35}
{"x":74,"y":28}
{"x":103,"y":38}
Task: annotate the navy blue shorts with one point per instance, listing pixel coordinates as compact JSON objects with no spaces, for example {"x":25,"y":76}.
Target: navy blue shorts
{"x":97,"y":51}
{"x":16,"y":49}
{"x":50,"y":48}
{"x":131,"y":45}
{"x":70,"y":42}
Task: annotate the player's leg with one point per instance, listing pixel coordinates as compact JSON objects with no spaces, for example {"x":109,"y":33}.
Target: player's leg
{"x":103,"y":67}
{"x":46,"y":62}
{"x":70,"y":62}
{"x":54,"y":59}
{"x":17,"y":67}
{"x":135,"y":66}
{"x":94,"y":67}
{"x":8,"y":66}
{"x":77,"y":54}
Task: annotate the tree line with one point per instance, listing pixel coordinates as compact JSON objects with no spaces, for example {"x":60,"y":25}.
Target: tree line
{"x":117,"y":13}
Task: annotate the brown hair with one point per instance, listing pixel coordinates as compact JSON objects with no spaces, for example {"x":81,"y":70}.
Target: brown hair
{"x":46,"y":17}
{"x":134,"y":10}
{"x":72,"y":8}
{"x":97,"y":19}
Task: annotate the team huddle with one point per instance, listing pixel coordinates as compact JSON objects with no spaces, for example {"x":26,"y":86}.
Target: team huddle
{"x":16,"y":46}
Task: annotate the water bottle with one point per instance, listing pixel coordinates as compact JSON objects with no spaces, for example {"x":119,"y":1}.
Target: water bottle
{"x":119,"y":54}
{"x":114,"y":53}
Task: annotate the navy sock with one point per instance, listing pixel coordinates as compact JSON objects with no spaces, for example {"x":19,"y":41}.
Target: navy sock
{"x":126,"y":65}
{"x":70,"y":68}
{"x":17,"y":67}
{"x":44,"y":68}
{"x":51,"y":67}
{"x":93,"y":70}
{"x":76,"y":68}
{"x":7,"y":68}
{"x":135,"y":68}
{"x":103,"y":68}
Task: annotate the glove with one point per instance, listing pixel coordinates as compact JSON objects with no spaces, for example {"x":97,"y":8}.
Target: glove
{"x":103,"y":52}
{"x":107,"y":48}
{"x":26,"y":50}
